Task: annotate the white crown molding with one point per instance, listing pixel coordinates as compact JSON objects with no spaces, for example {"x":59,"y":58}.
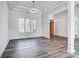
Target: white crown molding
{"x":22,"y":11}
{"x":16,"y":9}
{"x":22,"y":7}
{"x":49,"y":5}
{"x":60,"y":5}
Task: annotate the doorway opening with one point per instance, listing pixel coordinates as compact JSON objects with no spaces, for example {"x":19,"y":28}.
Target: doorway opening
{"x":51,"y":28}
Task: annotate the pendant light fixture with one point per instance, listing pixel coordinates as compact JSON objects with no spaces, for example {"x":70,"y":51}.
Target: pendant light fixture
{"x":33,"y":9}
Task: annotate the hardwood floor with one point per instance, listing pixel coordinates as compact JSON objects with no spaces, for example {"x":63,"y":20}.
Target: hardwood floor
{"x":41,"y":47}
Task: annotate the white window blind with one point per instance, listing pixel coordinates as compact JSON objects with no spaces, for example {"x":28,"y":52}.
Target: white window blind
{"x":27,"y":25}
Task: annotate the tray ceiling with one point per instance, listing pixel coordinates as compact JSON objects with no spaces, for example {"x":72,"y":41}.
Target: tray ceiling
{"x":41,"y":5}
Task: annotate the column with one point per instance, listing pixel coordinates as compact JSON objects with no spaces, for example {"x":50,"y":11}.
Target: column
{"x":71,"y":31}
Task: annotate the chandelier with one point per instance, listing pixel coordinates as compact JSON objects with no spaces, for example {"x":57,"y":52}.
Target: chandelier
{"x":33,"y":9}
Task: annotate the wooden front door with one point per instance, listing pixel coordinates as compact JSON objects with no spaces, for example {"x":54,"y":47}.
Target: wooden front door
{"x":51,"y":28}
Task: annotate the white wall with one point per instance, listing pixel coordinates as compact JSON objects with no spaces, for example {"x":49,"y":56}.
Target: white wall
{"x":45,"y":26}
{"x":77,"y":25}
{"x":77,"y":20}
{"x":61,"y":25}
{"x":45,"y":17}
{"x":13,"y":22}
{"x":3,"y":26}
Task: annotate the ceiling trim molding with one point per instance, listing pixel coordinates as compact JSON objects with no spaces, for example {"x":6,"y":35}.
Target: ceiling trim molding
{"x":16,"y":9}
{"x":64,"y":4}
{"x":50,"y":5}
{"x":60,"y":11}
{"x":22,"y":7}
{"x":21,"y":11}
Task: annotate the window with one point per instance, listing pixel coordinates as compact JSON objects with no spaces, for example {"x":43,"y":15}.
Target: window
{"x":27,"y":25}
{"x":33,"y":25}
{"x":21,"y":24}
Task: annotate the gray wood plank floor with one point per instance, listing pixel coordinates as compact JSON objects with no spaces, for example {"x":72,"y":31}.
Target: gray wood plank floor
{"x":41,"y":47}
